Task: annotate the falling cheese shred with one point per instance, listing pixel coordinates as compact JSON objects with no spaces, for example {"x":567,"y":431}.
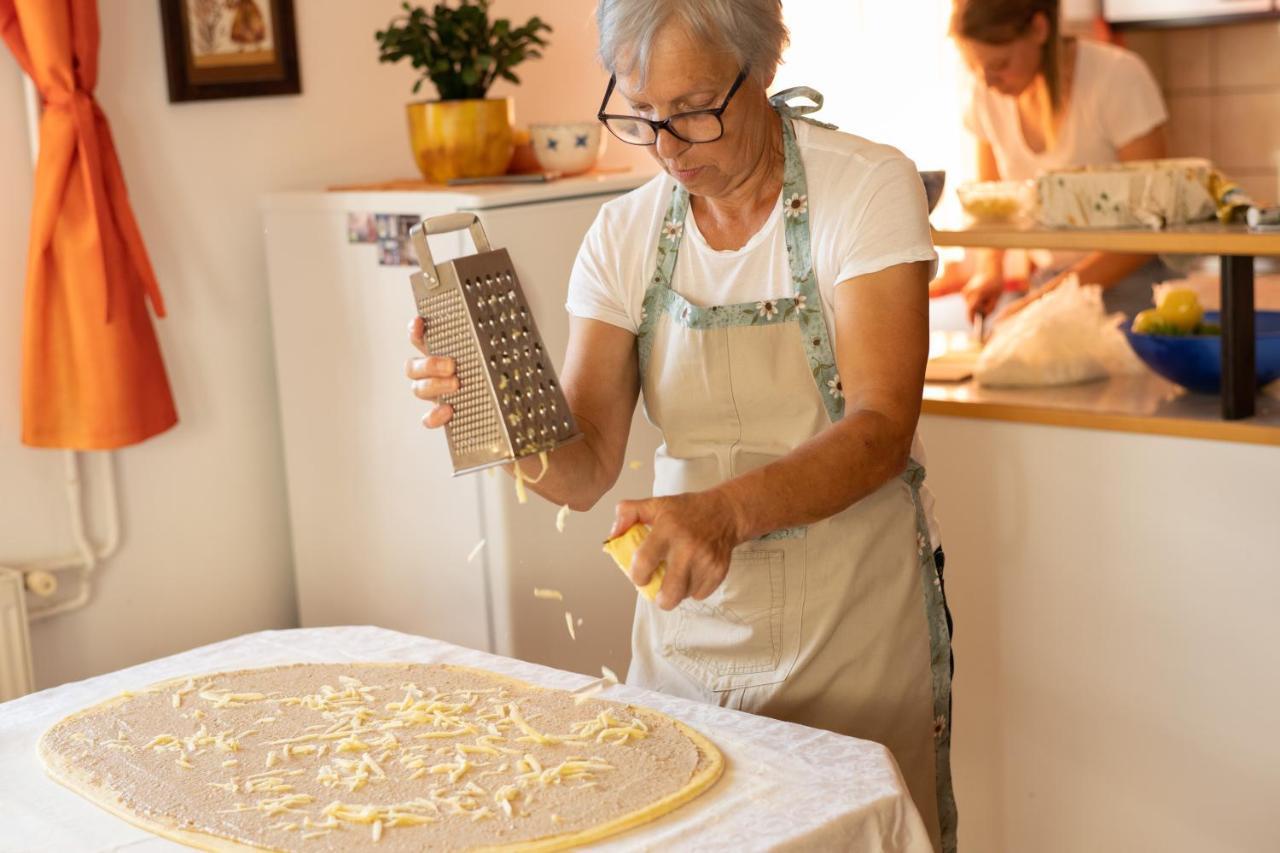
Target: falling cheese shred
{"x":561,"y":516}
{"x":550,"y":594}
{"x":522,"y":494}
{"x":479,"y":546}
{"x":568,"y":620}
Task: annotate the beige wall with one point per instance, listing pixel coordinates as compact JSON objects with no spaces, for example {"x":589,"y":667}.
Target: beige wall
{"x":1222,"y":85}
{"x":206,"y":552}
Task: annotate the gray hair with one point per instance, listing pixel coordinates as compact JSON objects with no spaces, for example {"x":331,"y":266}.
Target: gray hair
{"x":752,"y":31}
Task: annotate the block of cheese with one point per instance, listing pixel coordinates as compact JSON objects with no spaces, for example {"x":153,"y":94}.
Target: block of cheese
{"x":1143,"y":193}
{"x":623,"y":548}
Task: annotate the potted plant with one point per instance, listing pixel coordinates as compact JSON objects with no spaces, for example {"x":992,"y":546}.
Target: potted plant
{"x":463,"y":134}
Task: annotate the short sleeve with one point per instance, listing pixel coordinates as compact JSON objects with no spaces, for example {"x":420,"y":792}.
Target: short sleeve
{"x":1130,"y":104}
{"x":596,"y":291}
{"x":891,"y":225}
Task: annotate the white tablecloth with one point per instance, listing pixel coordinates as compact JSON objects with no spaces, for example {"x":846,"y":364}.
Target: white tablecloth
{"x":785,"y":786}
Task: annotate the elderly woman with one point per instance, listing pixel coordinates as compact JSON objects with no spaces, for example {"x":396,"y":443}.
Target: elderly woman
{"x":767,"y":293}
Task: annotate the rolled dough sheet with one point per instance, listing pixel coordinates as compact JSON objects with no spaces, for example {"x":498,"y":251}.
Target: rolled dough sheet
{"x":326,"y":757}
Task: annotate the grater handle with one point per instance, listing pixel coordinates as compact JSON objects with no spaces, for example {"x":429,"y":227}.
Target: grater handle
{"x":429,"y":278}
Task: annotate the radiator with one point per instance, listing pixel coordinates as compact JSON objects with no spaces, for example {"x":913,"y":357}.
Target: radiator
{"x":15,"y":641}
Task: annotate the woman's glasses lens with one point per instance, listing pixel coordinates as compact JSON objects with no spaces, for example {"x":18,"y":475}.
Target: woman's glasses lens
{"x":691,"y":127}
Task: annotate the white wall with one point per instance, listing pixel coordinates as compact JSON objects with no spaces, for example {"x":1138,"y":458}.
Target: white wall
{"x":206,"y":553}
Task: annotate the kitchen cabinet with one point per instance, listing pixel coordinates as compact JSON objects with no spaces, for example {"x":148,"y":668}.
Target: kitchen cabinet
{"x":1182,"y":12}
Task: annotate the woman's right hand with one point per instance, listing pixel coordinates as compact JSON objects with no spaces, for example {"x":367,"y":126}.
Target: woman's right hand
{"x":433,"y":377}
{"x":982,"y":293}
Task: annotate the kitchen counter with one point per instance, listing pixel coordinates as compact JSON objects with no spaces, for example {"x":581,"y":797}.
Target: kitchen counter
{"x":1143,"y":403}
{"x":1234,"y":244}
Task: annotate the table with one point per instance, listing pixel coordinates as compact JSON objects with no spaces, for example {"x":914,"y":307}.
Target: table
{"x":1234,"y":244}
{"x":785,"y":786}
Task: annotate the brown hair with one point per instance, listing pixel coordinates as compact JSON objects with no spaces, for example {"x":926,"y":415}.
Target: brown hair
{"x":1002,"y":21}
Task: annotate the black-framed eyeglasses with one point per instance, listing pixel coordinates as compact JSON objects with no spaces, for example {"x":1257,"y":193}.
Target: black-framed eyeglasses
{"x":694,"y":127}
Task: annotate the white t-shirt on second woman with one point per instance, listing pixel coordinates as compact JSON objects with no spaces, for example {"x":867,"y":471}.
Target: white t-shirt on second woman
{"x":1114,"y":100}
{"x":867,"y":212}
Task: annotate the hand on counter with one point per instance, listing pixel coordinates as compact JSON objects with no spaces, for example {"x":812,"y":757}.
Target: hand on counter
{"x":981,"y":293}
{"x":981,"y":289}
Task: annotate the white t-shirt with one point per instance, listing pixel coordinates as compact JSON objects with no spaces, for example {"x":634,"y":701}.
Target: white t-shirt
{"x":867,"y":212}
{"x":1114,"y":100}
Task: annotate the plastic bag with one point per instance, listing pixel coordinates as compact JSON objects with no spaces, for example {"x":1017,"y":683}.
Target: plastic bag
{"x":1060,"y":339}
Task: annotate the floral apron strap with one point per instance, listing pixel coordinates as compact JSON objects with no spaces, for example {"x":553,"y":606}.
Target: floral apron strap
{"x":659,"y":295}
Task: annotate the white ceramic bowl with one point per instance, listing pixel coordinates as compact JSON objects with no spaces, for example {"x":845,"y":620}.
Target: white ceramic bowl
{"x":568,"y":148}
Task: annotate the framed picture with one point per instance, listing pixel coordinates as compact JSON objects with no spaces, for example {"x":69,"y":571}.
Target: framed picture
{"x":229,"y":48}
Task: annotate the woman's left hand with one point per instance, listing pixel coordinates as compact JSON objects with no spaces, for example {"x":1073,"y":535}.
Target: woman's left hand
{"x":693,"y":533}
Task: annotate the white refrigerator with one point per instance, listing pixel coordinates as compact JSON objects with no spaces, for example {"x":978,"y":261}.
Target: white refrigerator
{"x":381,"y":530}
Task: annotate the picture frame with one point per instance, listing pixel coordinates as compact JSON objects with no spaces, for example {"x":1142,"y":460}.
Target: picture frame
{"x":229,"y":48}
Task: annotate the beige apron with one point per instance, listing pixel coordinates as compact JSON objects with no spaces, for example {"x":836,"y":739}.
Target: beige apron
{"x":837,"y":625}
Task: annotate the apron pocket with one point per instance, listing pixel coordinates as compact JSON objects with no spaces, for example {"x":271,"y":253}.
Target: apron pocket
{"x":733,"y":639}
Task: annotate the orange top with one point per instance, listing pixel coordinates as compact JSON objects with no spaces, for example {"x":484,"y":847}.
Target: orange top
{"x":92,"y":373}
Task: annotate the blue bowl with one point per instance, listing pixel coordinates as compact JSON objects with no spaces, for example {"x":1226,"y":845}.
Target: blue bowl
{"x":1195,"y":362}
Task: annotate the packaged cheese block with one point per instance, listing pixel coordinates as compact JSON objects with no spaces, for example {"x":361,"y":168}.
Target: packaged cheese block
{"x":623,"y":549}
{"x":1138,"y":194}
{"x":394,"y":757}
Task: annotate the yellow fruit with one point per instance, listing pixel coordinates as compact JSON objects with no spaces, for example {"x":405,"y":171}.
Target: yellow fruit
{"x":623,"y":549}
{"x":1147,"y":322}
{"x":1180,"y":309}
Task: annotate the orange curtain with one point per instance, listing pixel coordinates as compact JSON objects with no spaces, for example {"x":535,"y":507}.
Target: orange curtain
{"x":92,"y":374}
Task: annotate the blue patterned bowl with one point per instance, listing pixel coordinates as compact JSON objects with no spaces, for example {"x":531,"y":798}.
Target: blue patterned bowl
{"x":1195,"y":362}
{"x":568,"y":148}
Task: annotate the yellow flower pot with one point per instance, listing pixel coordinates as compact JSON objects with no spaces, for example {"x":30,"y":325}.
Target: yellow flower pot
{"x":461,"y":139}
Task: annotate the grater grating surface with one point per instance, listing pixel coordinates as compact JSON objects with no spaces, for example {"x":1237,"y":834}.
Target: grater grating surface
{"x":509,"y":403}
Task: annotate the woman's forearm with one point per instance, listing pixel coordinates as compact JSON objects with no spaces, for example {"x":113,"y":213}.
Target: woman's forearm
{"x":825,"y":475}
{"x":990,"y":262}
{"x":1104,"y":268}
{"x":577,"y":475}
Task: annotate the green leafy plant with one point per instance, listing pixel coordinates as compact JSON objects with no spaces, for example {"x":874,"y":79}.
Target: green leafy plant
{"x":458,"y":48}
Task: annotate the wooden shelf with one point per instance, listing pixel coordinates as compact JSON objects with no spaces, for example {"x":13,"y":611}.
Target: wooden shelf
{"x":1143,"y":404}
{"x":1203,"y":239}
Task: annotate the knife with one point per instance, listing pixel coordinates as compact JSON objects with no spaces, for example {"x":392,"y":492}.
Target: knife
{"x":977,"y":332}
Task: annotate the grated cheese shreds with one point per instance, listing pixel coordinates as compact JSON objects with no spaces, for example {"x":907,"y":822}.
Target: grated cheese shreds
{"x":551,"y":594}
{"x":546,"y":466}
{"x":561,"y":516}
{"x":476,"y":550}
{"x":609,"y":675}
{"x":635,"y":464}
{"x":568,"y":620}
{"x":522,"y":494}
{"x":583,"y":694}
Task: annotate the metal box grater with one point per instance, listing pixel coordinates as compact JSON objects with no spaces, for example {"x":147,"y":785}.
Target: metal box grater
{"x":509,"y":404}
